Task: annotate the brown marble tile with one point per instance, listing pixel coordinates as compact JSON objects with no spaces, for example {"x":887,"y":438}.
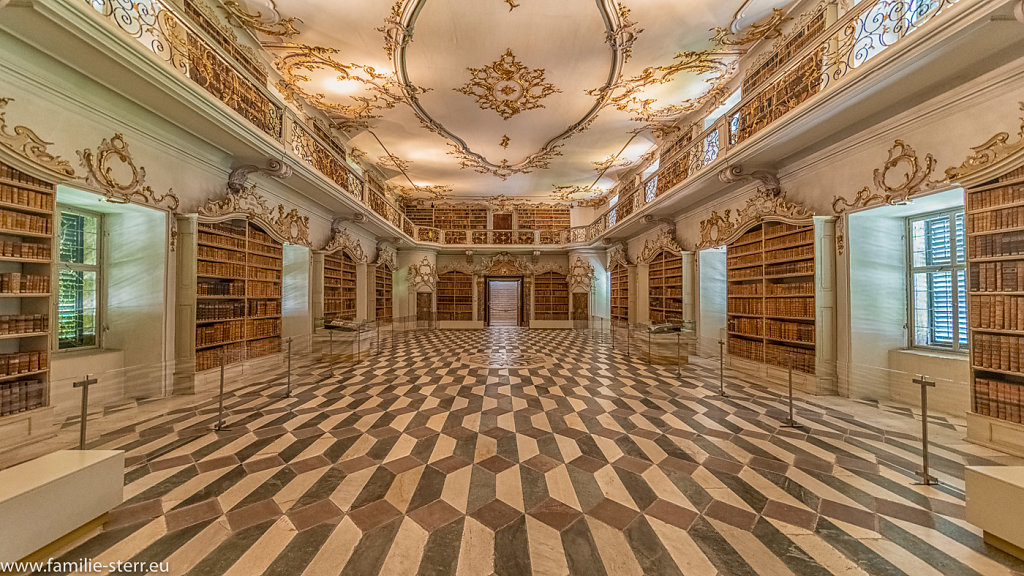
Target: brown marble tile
{"x":421,"y":432}
{"x":673,"y":464}
{"x":346,"y":432}
{"x":496,"y":514}
{"x":671,"y":514}
{"x":848,"y":514}
{"x":133,"y":514}
{"x":402,"y":464}
{"x":373,"y":515}
{"x":722,"y":465}
{"x":270,"y":432}
{"x":946,"y":508}
{"x":314,"y":514}
{"x":167,"y":463}
{"x":812,"y":463}
{"x":588,"y":464}
{"x":434,"y":515}
{"x":253,"y":514}
{"x":732,"y":515}
{"x":450,"y":464}
{"x":634,"y":465}
{"x":306,"y":432}
{"x":542,"y":463}
{"x":902,"y":511}
{"x":309,"y":464}
{"x":217,"y":463}
{"x":760,"y":463}
{"x":260,"y":463}
{"x":555,"y":514}
{"x":383,"y":432}
{"x":851,"y":463}
{"x":613,"y":514}
{"x":495,"y":464}
{"x":356,"y":464}
{"x":194,"y":514}
{"x":802,"y":517}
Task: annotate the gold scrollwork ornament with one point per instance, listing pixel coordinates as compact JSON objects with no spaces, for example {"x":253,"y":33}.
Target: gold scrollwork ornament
{"x":102,"y":167}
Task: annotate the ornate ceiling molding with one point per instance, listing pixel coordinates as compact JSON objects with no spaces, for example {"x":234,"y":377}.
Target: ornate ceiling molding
{"x":342,"y":240}
{"x":578,"y":194}
{"x":664,"y":241}
{"x":719,"y":229}
{"x":581,"y":276}
{"x":767,"y":29}
{"x":610,"y":162}
{"x":397,"y":32}
{"x":392,"y":162}
{"x":507,"y":86}
{"x":284,"y":225}
{"x":271,"y":24}
{"x":511,"y":5}
{"x":912,"y":176}
{"x":618,"y":255}
{"x":433,"y":192}
{"x":992,"y":152}
{"x":505,"y":264}
{"x":386,"y":256}
{"x":545,"y":267}
{"x":423,"y":276}
{"x":111,"y":157}
{"x":26,"y":143}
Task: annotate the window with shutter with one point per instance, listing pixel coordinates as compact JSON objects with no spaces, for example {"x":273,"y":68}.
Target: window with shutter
{"x":937,"y":281}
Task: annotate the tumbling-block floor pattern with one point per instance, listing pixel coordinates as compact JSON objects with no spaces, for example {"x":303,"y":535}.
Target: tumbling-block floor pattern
{"x":509,"y":451}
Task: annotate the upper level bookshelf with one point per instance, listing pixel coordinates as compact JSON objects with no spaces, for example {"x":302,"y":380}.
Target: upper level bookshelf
{"x":339,"y":287}
{"x":550,"y":296}
{"x":238,"y":292}
{"x":26,"y":260}
{"x":455,"y":296}
{"x":995,"y":260}
{"x":543,"y":218}
{"x":665,"y":288}
{"x":619,"y":293}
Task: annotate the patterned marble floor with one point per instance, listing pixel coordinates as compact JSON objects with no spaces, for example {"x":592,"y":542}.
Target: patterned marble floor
{"x":537,"y":452}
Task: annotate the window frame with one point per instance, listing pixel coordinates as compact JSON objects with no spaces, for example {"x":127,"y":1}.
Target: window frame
{"x":97,"y":268}
{"x":954,"y":267}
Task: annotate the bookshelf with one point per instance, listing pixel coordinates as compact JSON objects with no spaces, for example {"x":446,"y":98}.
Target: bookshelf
{"x":550,"y":296}
{"x":339,"y":287}
{"x":460,"y":218}
{"x":384,"y":299}
{"x":780,"y":300}
{"x":543,"y":218}
{"x":665,"y":288}
{"x":26,"y":257}
{"x":995,"y":261}
{"x":455,"y":296}
{"x":238,"y":293}
{"x":619,"y":293}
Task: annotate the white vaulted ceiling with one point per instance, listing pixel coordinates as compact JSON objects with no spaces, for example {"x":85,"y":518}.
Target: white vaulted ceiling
{"x":560,"y":85}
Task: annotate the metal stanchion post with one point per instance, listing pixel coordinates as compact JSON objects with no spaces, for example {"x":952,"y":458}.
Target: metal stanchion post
{"x":627,"y":341}
{"x":926,"y":478}
{"x":650,"y":354}
{"x":330,"y":351}
{"x":392,"y":326}
{"x":679,"y":365}
{"x":84,"y":385}
{"x":611,"y":328}
{"x":220,"y":397}
{"x":289,"y":391}
{"x":378,"y":337}
{"x":791,"y":423}
{"x":721,"y":369}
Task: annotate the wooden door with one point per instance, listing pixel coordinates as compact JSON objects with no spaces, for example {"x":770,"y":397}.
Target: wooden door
{"x":424,"y":306}
{"x":502,"y":221}
{"x":581,"y":308}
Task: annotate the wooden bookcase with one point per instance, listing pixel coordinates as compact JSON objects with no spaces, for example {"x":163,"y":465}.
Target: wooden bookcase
{"x":238,"y":293}
{"x":550,"y":296}
{"x":780,"y":299}
{"x":665,"y":288}
{"x":460,"y":218}
{"x":995,"y":259}
{"x":619,"y":293}
{"x":26,"y":261}
{"x":420,"y":215}
{"x":384,"y":294}
{"x":339,"y":287}
{"x":543,"y":218}
{"x":455,"y":296}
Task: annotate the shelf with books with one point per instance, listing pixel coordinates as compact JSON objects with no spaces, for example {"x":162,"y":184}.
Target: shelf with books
{"x":550,"y":296}
{"x":455,"y":296}
{"x":542,"y":218}
{"x":384,"y":293}
{"x":994,"y":224}
{"x":339,"y":287}
{"x":619,"y":293}
{"x":665,"y":288}
{"x":27,"y":220}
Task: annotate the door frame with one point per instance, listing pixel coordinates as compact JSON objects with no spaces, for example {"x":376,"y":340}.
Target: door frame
{"x":487,"y":296}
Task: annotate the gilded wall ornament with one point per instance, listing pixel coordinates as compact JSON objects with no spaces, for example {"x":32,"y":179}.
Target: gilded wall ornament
{"x":504,"y":141}
{"x":767,"y":29}
{"x":994,"y":150}
{"x":624,"y":34}
{"x":25,"y":143}
{"x":618,"y":255}
{"x":719,"y":229}
{"x":613,"y":161}
{"x":342,"y":241}
{"x":271,"y":24}
{"x":464,"y":266}
{"x":505,"y":264}
{"x":665,"y":240}
{"x":238,"y":179}
{"x":548,"y":266}
{"x":423,"y":276}
{"x":396,"y":34}
{"x":434,"y":192}
{"x":902,"y":176}
{"x":581,"y":276}
{"x":507,"y":86}
{"x":392,"y":162}
{"x":576,"y":193}
{"x":284,"y":225}
{"x":113,"y":156}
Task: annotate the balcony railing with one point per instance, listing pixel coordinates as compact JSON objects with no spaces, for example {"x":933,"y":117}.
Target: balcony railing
{"x":820,"y":61}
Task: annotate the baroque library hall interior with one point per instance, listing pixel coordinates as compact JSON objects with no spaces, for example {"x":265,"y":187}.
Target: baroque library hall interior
{"x":512,"y":287}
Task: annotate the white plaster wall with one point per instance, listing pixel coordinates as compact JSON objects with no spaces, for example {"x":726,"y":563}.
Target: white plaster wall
{"x":712,"y":300}
{"x":296,"y":313}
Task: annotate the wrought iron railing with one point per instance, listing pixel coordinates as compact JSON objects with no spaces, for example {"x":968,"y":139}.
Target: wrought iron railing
{"x":181,"y":45}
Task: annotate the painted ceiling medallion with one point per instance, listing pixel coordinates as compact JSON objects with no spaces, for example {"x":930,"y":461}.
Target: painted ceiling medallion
{"x":507,"y":86}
